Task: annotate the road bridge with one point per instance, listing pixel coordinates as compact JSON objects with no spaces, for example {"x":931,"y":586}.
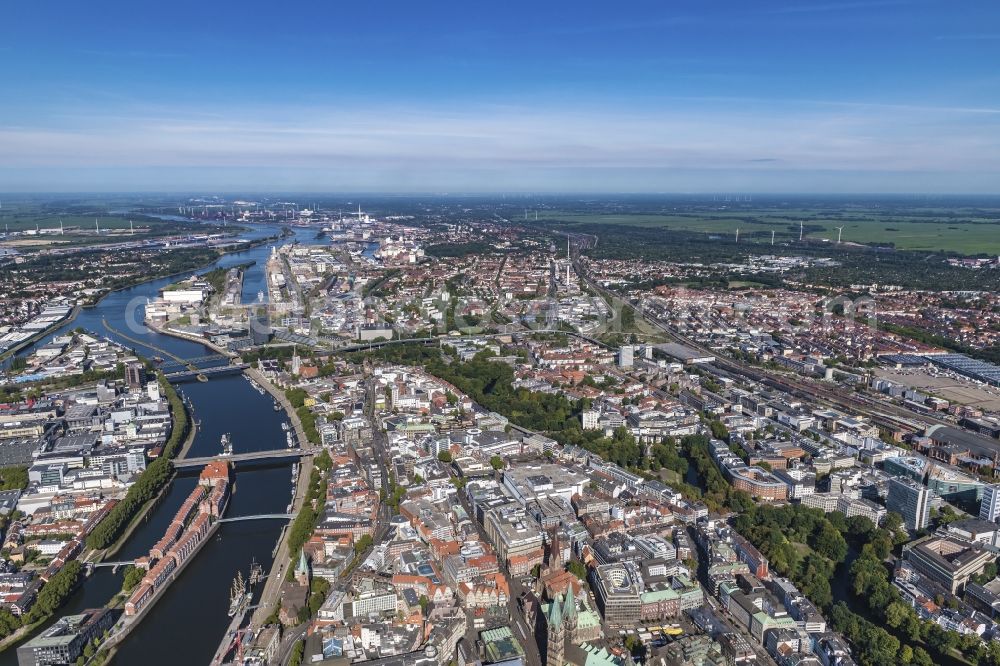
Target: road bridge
{"x":188,"y":375}
{"x":180,"y":363}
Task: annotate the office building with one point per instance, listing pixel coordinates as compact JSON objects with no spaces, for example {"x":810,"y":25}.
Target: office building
{"x":371,"y":603}
{"x":260,"y":329}
{"x":63,"y":642}
{"x":135,"y":376}
{"x":990,"y":508}
{"x":910,"y":500}
{"x":618,"y":593}
{"x":517,"y":540}
{"x":947,"y":560}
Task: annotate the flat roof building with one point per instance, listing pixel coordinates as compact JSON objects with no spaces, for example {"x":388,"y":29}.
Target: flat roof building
{"x":947,"y":560}
{"x":910,"y":500}
{"x":618,"y":589}
{"x":63,"y":642}
{"x":687,"y":355}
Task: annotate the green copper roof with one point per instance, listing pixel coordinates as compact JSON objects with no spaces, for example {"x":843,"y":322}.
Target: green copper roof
{"x":569,"y":605}
{"x":555,"y":614}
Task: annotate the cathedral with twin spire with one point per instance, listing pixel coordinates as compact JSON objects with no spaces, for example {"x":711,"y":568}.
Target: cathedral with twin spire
{"x":570,"y":625}
{"x":562,"y":634}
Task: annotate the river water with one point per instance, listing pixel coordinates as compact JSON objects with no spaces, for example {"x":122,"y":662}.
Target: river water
{"x":187,"y":623}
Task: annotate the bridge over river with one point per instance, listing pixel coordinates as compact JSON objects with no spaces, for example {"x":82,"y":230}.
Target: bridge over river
{"x":271,"y":454}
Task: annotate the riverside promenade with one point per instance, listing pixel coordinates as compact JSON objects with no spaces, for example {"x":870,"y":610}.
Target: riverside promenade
{"x":271,"y":594}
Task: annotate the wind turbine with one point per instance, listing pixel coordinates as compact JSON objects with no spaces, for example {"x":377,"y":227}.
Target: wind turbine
{"x":840,"y":230}
{"x":772,"y":236}
{"x":737,"y":234}
{"x":800,"y":230}
{"x":131,"y":228}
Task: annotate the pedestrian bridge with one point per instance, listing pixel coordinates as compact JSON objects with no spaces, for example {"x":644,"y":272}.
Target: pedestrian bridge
{"x":115,"y":565}
{"x":272,"y":454}
{"x":259,"y":516}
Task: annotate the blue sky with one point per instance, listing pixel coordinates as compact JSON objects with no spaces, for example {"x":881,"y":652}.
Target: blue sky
{"x":667,"y":96}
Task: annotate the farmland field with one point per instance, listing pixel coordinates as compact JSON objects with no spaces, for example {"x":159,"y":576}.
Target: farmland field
{"x":27,"y":225}
{"x":972,"y":232}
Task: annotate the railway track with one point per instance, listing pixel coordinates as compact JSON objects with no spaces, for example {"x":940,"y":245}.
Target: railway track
{"x":884,"y":414}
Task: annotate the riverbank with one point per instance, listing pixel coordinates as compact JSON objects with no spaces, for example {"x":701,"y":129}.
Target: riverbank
{"x":153,"y":502}
{"x":281,"y":561}
{"x":183,"y":422}
{"x":234,"y":249}
{"x":190,"y":337}
{"x":13,"y":351}
{"x":271,"y":594}
{"x":279,"y":396}
{"x":127,"y":623}
{"x":230,"y":406}
{"x":192,"y":433}
{"x":21,"y":634}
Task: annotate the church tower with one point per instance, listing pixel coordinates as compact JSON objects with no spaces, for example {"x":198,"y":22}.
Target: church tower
{"x":555,"y":644}
{"x":569,"y":616}
{"x":556,"y":563}
{"x":302,"y":569}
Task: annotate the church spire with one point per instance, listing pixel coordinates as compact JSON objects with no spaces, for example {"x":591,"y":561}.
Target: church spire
{"x":555,"y":614}
{"x":569,"y":604}
{"x":555,"y":554}
{"x":302,"y":569}
{"x":555,"y":649}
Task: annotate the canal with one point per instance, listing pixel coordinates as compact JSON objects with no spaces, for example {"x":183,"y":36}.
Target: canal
{"x":187,"y":623}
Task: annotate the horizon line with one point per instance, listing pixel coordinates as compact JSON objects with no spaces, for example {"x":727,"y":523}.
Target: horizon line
{"x":488,"y":193}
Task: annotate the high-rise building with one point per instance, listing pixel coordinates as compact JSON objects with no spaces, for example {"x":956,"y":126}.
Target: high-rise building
{"x":990,"y":508}
{"x":135,"y":376}
{"x":260,"y":328}
{"x":626,"y":356}
{"x":588,"y":419}
{"x":911,"y":500}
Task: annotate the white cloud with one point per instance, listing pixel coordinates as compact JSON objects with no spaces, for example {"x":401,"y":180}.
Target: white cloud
{"x":743,"y":136}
